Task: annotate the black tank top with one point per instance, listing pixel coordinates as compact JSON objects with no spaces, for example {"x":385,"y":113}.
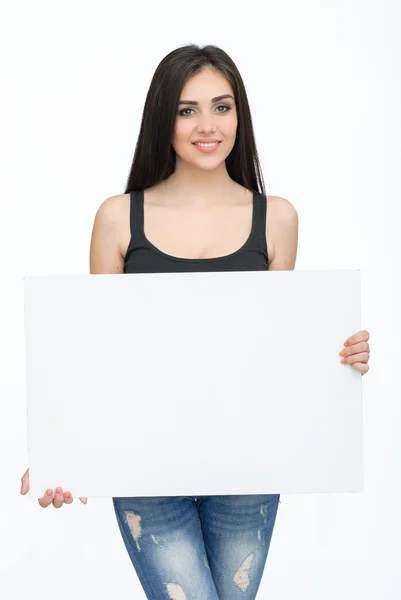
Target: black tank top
{"x":143,"y":257}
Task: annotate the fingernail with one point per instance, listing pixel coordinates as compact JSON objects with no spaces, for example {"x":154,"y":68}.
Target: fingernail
{"x":343,"y":360}
{"x":49,"y":492}
{"x":58,"y":490}
{"x":343,"y":353}
{"x":68,"y":496}
{"x":346,"y":343}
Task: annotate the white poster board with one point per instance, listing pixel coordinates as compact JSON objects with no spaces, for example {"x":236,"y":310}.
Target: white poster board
{"x":193,"y":383}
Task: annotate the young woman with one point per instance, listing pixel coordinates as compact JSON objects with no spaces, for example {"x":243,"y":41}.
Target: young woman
{"x":195,"y":201}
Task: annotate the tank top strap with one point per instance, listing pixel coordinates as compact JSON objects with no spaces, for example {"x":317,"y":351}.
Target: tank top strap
{"x":136,"y":217}
{"x":258,"y":234}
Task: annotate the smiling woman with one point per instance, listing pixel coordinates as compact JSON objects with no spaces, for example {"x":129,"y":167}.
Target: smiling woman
{"x":204,"y":113}
{"x":227,"y":128}
{"x":195,"y":201}
{"x":196,"y":95}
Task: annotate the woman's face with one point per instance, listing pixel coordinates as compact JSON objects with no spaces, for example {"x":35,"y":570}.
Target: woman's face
{"x":208,"y":118}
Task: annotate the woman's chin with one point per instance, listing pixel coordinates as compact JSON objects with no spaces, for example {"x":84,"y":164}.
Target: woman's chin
{"x":206,"y":165}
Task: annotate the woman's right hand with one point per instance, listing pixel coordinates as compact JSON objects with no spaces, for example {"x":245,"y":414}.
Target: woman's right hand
{"x":58,"y":500}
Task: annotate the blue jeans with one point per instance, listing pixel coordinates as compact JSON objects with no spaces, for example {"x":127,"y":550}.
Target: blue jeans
{"x":198,"y":548}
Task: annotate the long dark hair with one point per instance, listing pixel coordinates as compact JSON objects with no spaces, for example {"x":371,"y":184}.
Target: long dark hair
{"x":154,"y":156}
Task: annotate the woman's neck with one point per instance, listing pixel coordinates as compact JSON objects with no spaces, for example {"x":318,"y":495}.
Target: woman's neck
{"x":200,"y":187}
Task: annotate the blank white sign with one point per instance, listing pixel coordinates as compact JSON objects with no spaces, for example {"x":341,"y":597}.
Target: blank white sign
{"x":200,"y":383}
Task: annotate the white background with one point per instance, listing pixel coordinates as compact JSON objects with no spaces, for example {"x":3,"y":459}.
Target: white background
{"x":323,"y":82}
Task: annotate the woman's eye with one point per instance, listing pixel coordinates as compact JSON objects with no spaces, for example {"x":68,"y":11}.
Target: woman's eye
{"x":183,"y":112}
{"x":223,"y":106}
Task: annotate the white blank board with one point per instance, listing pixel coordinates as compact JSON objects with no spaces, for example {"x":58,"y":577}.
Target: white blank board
{"x":201,"y":383}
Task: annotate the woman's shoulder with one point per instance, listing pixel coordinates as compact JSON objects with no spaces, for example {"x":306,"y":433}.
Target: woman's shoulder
{"x":281,"y":209}
{"x":112,"y":207}
{"x":282,"y":217}
{"x":114,"y":213}
{"x":281,"y":232}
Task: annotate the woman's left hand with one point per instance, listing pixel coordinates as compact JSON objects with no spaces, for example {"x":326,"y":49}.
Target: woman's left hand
{"x":356,"y":351}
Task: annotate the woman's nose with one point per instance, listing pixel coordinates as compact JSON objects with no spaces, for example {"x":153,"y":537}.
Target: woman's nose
{"x":206,"y":125}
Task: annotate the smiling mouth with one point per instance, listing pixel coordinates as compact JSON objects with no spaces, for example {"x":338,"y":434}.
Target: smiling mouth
{"x":206,"y":144}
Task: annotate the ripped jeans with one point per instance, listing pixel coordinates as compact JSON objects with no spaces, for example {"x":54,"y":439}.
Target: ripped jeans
{"x":198,"y":548}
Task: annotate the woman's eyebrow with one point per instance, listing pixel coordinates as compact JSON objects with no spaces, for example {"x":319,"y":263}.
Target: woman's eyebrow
{"x":216,"y":99}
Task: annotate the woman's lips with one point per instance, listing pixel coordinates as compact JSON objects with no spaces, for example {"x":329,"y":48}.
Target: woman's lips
{"x":207,"y":149}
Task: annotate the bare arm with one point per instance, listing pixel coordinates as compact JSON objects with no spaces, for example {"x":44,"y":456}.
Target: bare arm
{"x":105,"y":256}
{"x":282,"y":233}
